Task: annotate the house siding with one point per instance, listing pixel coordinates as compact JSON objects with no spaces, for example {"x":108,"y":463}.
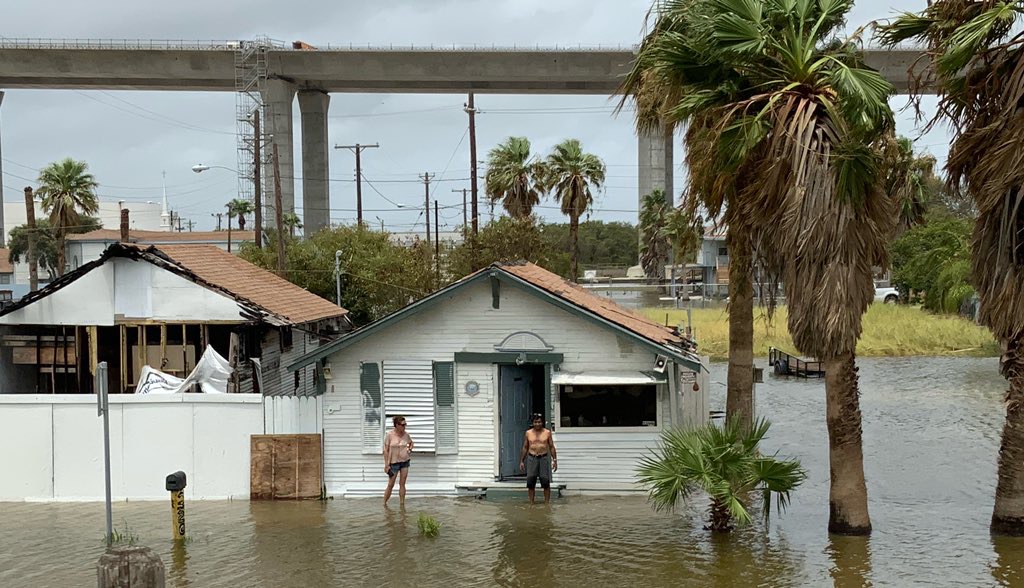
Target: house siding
{"x":466,"y":322}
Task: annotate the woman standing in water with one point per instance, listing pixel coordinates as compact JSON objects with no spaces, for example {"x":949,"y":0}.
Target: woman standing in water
{"x":397,"y":454}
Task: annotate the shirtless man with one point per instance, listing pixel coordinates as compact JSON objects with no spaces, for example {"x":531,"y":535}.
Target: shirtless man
{"x":538,"y":458}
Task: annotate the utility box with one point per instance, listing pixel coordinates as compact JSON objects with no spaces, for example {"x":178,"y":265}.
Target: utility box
{"x":176,"y":481}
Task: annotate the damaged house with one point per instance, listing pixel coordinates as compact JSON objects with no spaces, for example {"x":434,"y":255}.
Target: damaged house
{"x":163,"y":306}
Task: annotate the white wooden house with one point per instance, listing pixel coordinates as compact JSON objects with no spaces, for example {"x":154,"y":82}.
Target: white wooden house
{"x":469,"y":364}
{"x":162,"y":306}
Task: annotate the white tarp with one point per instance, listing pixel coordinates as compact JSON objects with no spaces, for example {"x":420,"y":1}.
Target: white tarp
{"x":606,"y":378}
{"x":212,"y":374}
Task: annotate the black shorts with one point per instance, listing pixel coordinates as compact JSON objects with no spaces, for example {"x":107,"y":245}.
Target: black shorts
{"x":538,"y":466}
{"x":397,"y":467}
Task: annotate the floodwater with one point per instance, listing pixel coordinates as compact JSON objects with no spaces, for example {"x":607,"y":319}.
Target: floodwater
{"x":931,"y":432}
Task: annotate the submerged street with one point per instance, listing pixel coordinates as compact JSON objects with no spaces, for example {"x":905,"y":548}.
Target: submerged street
{"x":931,"y":435}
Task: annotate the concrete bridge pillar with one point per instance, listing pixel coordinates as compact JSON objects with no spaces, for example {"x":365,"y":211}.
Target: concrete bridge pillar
{"x":316,"y":193}
{"x":277,"y":117}
{"x":656,"y":166}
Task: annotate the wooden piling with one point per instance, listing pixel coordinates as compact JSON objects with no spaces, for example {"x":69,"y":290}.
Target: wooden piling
{"x":130,"y":567}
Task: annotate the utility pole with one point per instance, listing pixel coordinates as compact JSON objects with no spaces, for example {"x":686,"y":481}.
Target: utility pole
{"x":278,"y":214}
{"x":358,"y":149}
{"x":257,"y":179}
{"x":426,"y":177}
{"x":190,"y":225}
{"x":464,"y":220}
{"x":471,"y":110}
{"x":337,"y":276}
{"x":229,"y":227}
{"x":218,"y":215}
{"x":437,"y":243}
{"x":30,"y":219}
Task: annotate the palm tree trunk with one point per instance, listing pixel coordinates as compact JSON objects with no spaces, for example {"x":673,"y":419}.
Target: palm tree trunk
{"x":848,"y":492}
{"x":61,"y":254}
{"x":739,"y":402}
{"x":719,"y":519}
{"x":1008,"y":515}
{"x":574,"y":228}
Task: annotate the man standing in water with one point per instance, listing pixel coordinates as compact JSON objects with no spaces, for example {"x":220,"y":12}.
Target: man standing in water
{"x":538,"y":458}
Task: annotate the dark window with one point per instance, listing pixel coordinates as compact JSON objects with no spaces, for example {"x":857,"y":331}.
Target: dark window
{"x":608,"y":406}
{"x":286,"y":338}
{"x":5,"y":278}
{"x":723,"y":251}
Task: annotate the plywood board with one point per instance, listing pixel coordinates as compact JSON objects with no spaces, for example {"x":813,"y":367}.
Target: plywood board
{"x":285,"y":467}
{"x":27,"y":355}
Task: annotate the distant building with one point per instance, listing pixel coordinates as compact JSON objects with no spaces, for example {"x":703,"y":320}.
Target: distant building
{"x":408,"y":238}
{"x":85,"y":247}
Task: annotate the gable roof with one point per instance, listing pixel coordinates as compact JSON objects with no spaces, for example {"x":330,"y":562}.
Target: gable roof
{"x":158,"y":237}
{"x":550,"y":287}
{"x":265,"y":295}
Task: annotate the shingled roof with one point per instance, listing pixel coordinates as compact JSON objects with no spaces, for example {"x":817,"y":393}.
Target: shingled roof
{"x":599,"y":305}
{"x":553,"y":288}
{"x":158,"y":237}
{"x":262,"y":294}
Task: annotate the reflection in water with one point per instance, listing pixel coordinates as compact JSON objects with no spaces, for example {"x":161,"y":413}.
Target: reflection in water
{"x":931,"y":434}
{"x":851,"y":560}
{"x":526,"y":546}
{"x":1008,"y":569}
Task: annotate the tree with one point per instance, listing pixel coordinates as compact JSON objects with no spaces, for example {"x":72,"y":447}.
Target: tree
{"x":67,"y":190}
{"x":568,"y":174}
{"x":723,"y":462}
{"x":292,"y":222}
{"x":46,"y":242}
{"x":684,"y":231}
{"x":513,"y":177}
{"x":653,"y":218}
{"x":909,"y":180}
{"x":976,"y":64}
{"x":599,"y":243}
{"x":378,"y":276}
{"x":239,"y":207}
{"x":933,"y":259}
{"x":505,"y":239}
{"x":784,"y":124}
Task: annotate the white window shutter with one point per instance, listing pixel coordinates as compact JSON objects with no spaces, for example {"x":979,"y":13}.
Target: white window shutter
{"x":409,"y":391}
{"x":370,"y":400}
{"x":444,"y":398}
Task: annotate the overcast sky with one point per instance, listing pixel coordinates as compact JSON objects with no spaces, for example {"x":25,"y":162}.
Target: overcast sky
{"x":129,"y":138}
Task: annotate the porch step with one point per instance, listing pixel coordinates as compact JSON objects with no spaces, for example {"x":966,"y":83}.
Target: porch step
{"x":504,"y":487}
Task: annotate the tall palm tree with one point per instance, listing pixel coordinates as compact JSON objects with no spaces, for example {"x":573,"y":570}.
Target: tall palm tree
{"x":513,"y":177}
{"x":654,"y":242}
{"x":67,"y":190}
{"x":568,"y":174}
{"x":240,"y":207}
{"x":784,"y":127}
{"x":976,"y":63}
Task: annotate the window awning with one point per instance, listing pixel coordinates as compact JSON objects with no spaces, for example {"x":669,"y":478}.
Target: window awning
{"x":623,"y":378}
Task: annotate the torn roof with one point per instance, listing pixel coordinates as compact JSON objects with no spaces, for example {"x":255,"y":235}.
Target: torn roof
{"x":263,"y":295}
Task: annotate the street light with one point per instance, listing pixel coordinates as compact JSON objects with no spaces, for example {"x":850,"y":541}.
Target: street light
{"x":200,"y":168}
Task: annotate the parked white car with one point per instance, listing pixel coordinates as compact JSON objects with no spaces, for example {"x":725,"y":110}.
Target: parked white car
{"x":887,"y":295}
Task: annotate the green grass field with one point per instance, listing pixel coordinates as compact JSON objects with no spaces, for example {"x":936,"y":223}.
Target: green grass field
{"x":890,"y":330}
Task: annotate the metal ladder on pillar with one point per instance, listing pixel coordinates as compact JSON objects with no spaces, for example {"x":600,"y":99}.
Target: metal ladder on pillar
{"x":250,"y":86}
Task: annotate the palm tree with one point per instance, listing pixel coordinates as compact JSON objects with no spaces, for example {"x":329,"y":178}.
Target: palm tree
{"x":784,"y":123}
{"x":909,"y":181}
{"x":67,"y":190}
{"x":513,"y":177}
{"x":976,"y":63}
{"x":568,"y":174}
{"x":239,"y":207}
{"x":723,"y":462}
{"x":292,"y":221}
{"x":654,"y":244}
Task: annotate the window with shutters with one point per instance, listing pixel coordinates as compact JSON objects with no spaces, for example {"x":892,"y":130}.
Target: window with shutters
{"x":409,"y":391}
{"x":372,"y":421}
{"x":444,"y":402}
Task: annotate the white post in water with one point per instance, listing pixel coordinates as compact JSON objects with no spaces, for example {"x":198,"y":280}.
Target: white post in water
{"x":337,"y":276}
{"x":102,"y":409}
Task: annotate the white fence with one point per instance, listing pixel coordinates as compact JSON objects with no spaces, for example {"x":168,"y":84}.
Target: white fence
{"x":53,"y":444}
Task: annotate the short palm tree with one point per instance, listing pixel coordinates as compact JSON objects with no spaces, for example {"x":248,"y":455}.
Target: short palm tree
{"x":240,"y":207}
{"x":292,"y":222}
{"x":975,"y":61}
{"x":724,"y":463}
{"x":654,"y":244}
{"x":513,"y":177}
{"x":67,"y":190}
{"x":784,"y":127}
{"x":568,"y":174}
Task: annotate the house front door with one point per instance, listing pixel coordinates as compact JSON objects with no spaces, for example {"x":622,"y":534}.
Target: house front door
{"x":516,"y":393}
